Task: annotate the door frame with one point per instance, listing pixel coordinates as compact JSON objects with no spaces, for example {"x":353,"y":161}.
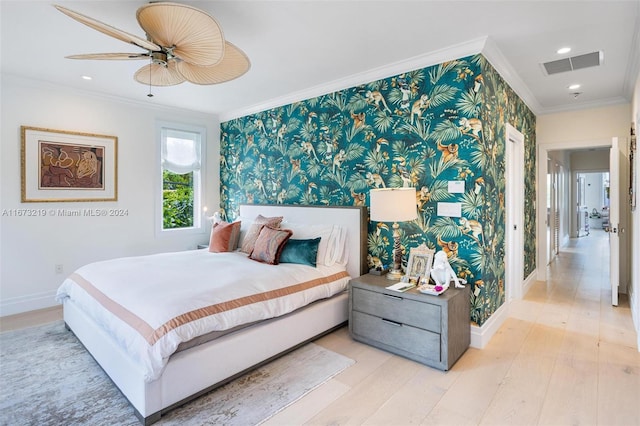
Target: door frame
{"x":514,"y":208}
{"x":541,"y":213}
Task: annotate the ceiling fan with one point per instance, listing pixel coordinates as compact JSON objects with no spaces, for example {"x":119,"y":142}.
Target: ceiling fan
{"x":183,"y":44}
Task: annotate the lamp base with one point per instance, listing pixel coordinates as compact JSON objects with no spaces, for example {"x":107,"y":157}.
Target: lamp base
{"x":395,"y":275}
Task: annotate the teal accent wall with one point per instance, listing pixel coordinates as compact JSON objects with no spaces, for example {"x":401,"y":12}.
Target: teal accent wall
{"x":421,"y":129}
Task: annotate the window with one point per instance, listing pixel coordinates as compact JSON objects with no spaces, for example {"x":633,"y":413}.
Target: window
{"x":181,"y":161}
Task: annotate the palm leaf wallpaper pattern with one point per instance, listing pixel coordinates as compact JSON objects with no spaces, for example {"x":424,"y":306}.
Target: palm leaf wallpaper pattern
{"x":419,"y":129}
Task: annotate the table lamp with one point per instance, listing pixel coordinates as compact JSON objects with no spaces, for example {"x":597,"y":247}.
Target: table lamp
{"x":394,"y":205}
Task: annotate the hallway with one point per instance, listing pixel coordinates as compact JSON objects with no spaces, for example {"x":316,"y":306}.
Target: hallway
{"x":572,"y":348}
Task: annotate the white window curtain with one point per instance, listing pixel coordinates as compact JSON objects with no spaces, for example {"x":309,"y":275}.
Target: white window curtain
{"x":180,"y":151}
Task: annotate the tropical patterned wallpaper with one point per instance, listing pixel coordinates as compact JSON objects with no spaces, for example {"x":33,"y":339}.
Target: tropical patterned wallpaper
{"x":419,"y":129}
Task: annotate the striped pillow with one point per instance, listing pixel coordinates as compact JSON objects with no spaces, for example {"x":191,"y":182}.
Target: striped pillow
{"x":269,"y":245}
{"x":253,"y":231}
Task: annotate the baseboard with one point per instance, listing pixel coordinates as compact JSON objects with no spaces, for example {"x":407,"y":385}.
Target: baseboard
{"x":635,"y":314}
{"x":528,"y":282}
{"x":18,"y":305}
{"x":480,"y":336}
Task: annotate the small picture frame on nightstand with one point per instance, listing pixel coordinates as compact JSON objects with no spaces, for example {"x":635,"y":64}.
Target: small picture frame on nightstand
{"x":420,"y":263}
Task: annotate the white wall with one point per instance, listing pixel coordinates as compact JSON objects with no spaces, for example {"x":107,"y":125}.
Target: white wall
{"x":30,"y":247}
{"x":598,"y":124}
{"x":590,"y":161}
{"x":594,"y":191}
{"x":578,"y":130}
{"x":634,"y":286}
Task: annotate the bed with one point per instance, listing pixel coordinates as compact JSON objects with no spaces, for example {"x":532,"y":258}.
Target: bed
{"x":156,"y":383}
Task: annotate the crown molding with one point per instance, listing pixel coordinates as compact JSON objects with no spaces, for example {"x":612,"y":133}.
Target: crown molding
{"x":16,"y":80}
{"x":601,"y":103}
{"x":509,"y":75}
{"x":439,"y":56}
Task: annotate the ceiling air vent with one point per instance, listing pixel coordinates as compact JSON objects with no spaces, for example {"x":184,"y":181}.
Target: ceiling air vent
{"x":573,"y":63}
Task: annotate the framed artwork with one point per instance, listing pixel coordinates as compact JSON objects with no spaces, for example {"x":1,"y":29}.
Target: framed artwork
{"x":59,"y":165}
{"x":420,"y":263}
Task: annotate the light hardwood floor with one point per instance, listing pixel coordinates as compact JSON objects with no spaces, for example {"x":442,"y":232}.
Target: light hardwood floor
{"x":564,"y":356}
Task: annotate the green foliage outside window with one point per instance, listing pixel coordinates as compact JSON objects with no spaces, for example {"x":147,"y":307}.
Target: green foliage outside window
{"x":177,"y":200}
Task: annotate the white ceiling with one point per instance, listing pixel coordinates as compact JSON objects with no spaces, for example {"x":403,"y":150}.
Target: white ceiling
{"x":298,"y":48}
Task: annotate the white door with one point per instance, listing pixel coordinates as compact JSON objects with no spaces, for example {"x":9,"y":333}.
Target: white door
{"x":614,"y":219}
{"x":514,"y":250}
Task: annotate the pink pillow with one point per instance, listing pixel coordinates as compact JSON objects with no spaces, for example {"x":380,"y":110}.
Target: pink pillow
{"x":224,"y":237}
{"x":253,"y":232}
{"x":269,"y":245}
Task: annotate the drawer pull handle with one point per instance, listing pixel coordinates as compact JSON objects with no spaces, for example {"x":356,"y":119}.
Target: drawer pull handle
{"x":391,"y":296}
{"x":397,"y":324}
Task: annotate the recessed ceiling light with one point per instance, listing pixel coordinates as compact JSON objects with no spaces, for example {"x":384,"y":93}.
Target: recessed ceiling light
{"x":86,"y":77}
{"x":574,"y":86}
{"x":564,"y":50}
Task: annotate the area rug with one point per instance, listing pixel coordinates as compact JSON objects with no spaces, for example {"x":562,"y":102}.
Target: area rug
{"x":48,"y":378}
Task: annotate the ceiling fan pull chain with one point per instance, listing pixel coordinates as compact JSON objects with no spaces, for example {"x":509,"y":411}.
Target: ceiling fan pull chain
{"x":150,"y":95}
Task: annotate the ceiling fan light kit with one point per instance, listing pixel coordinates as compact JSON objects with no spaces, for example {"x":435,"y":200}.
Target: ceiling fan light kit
{"x":183,"y":44}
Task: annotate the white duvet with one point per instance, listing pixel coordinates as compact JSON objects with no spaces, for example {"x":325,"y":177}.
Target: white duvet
{"x":151,"y":304}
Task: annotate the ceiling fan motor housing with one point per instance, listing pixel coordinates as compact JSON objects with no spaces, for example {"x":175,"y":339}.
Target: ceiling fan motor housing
{"x":159,"y":58}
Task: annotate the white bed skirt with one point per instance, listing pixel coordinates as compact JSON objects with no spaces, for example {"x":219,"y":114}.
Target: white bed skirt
{"x":190,"y":373}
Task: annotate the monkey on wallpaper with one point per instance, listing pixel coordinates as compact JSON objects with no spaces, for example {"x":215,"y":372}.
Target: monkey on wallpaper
{"x":449,"y":247}
{"x":418,"y":106}
{"x":295,"y":165}
{"x":422,"y":197}
{"x":281,"y":131}
{"x":405,"y":89}
{"x":338,"y":159}
{"x":260,"y":186}
{"x":260,"y":125}
{"x":309,"y":149}
{"x":374,"y":98}
{"x":239,"y":171}
{"x":281,"y":196}
{"x":274,"y":121}
{"x":403,"y":171}
{"x":358,"y":119}
{"x":374,"y":262}
{"x":470,"y":226}
{"x":359,"y":198}
{"x":472,"y":125}
{"x":374,"y":179}
{"x":449,"y":152}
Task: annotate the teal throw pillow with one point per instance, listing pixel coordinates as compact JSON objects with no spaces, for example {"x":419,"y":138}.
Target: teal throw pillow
{"x":304,"y":252}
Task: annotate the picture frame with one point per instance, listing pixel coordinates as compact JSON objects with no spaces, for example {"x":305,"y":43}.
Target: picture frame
{"x":420,"y":263}
{"x":67,"y":166}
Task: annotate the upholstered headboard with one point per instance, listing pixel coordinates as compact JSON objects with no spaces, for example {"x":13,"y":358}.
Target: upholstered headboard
{"x":352,"y":219}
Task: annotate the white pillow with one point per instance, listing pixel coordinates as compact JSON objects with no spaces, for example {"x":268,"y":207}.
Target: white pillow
{"x":332,"y":240}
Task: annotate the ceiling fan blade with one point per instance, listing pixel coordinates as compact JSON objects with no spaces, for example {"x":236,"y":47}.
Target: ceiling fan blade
{"x":116,"y":56}
{"x":109,"y":30}
{"x":234,"y":64}
{"x":195,"y":36}
{"x":159,"y":75}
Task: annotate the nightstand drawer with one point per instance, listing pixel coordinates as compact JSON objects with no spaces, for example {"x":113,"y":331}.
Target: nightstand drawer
{"x":398,"y":309}
{"x":414,"y":342}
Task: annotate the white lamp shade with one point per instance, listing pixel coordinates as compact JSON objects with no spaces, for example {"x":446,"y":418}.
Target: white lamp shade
{"x":393,"y":204}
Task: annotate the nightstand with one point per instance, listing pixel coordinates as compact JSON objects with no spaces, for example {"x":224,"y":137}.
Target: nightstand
{"x":433,"y":330}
